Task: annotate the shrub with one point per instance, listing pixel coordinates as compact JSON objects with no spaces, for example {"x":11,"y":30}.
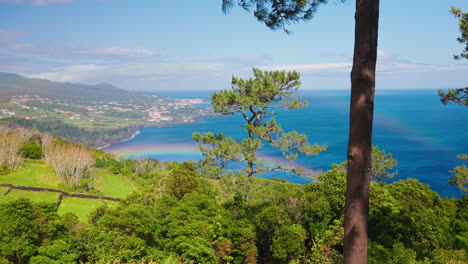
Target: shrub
{"x":31,"y":150}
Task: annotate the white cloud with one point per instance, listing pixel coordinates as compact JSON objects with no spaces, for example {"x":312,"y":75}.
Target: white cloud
{"x":249,"y":60}
{"x":91,"y":73}
{"x":74,"y":73}
{"x":9,"y":40}
{"x":386,"y":63}
{"x":332,"y":53}
{"x":414,"y":67}
{"x":117,"y":52}
{"x":312,"y":68}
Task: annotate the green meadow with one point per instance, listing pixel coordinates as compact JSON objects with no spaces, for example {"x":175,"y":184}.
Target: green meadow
{"x":79,"y":206}
{"x":37,"y":197}
{"x":34,"y":173}
{"x":3,"y":190}
{"x":116,"y":186}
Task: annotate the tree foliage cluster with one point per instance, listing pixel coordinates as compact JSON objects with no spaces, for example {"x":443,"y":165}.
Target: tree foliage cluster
{"x":182,"y":217}
{"x":257,"y":100}
{"x":463,"y":23}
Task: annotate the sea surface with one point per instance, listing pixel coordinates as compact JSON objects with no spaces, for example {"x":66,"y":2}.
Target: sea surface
{"x":422,"y":134}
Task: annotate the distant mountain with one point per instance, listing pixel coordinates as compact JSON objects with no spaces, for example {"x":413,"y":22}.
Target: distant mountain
{"x":13,"y":84}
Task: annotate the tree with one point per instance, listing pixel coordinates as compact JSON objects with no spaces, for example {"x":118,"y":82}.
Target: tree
{"x":460,"y":95}
{"x":463,"y":23}
{"x":275,"y":14}
{"x":461,"y":175}
{"x":381,"y":164}
{"x":256,"y":99}
{"x":71,"y":162}
{"x":11,"y":141}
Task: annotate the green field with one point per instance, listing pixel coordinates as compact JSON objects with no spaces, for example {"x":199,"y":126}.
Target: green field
{"x":79,"y":206}
{"x":32,"y":173}
{"x":111,"y":204}
{"x":35,"y":173}
{"x":50,"y":197}
{"x":3,"y":190}
{"x":115,"y":185}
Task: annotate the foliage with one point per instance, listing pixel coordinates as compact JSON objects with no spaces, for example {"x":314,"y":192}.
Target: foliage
{"x":273,"y":222}
{"x":408,"y":212}
{"x":463,"y":23}
{"x":24,"y":227}
{"x":288,"y":243}
{"x":461,"y":175}
{"x":31,"y":150}
{"x":256,"y":100}
{"x":177,"y":216}
{"x":458,"y":96}
{"x":277,"y":14}
{"x":183,"y":180}
{"x":381,"y":164}
{"x":96,"y":137}
{"x":19,"y":231}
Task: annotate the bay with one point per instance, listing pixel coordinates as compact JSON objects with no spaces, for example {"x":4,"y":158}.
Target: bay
{"x":422,"y":134}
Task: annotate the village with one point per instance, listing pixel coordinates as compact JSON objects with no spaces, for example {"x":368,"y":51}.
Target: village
{"x":157,"y":111}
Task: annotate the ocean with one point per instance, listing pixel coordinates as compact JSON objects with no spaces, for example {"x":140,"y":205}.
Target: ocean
{"x":421,"y":133}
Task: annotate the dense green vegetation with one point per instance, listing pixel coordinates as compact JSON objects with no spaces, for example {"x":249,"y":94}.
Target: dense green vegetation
{"x":58,"y":128}
{"x":171,"y":213}
{"x":261,"y":222}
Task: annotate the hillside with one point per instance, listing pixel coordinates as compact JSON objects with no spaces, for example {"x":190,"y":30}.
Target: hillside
{"x":13,"y":84}
{"x":171,"y":213}
{"x":94,"y":115}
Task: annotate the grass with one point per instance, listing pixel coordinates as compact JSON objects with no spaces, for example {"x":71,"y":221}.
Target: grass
{"x":3,"y":190}
{"x":79,"y":206}
{"x":115,"y":185}
{"x":33,"y":173}
{"x":111,"y":204}
{"x":50,"y":197}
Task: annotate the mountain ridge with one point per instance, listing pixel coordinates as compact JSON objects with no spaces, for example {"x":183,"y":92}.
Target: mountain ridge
{"x":14,"y":84}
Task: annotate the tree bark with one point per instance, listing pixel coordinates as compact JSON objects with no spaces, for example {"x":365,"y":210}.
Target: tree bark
{"x":360,"y":131}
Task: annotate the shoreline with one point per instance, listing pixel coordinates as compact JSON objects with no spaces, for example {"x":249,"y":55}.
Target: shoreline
{"x":134,"y":134}
{"x":123,"y":140}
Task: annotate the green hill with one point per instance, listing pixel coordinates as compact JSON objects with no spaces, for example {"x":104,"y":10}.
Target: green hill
{"x":13,"y":84}
{"x":94,"y":115}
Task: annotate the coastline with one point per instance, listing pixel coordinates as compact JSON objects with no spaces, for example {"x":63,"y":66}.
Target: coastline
{"x":125,"y":139}
{"x":132,"y":135}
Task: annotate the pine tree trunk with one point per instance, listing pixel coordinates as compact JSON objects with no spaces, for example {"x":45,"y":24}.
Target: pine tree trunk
{"x":360,"y":131}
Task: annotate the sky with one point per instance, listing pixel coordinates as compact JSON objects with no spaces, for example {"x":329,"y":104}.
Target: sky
{"x":187,"y":45}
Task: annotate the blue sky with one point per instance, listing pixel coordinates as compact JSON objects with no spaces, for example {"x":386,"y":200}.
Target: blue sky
{"x":192,"y":45}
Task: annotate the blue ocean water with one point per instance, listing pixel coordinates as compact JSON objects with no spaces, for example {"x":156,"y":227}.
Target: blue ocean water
{"x":421,"y":133}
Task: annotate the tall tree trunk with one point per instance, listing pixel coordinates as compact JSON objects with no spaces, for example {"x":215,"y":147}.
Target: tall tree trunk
{"x":360,"y":131}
